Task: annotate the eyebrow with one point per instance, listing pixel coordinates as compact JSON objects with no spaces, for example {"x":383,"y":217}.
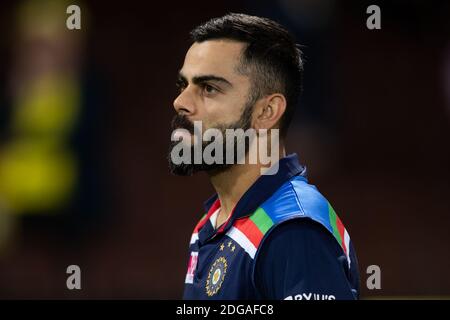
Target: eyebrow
{"x":204,"y":78}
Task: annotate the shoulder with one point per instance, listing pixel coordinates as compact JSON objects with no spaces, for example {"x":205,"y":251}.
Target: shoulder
{"x":299,"y":214}
{"x":303,"y":241}
{"x":300,"y":255}
{"x":296,"y":198}
{"x":301,"y":238}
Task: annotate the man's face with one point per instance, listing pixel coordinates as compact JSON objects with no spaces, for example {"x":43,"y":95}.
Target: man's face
{"x":211,"y":91}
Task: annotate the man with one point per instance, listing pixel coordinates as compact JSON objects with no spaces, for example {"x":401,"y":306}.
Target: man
{"x":264,"y":236}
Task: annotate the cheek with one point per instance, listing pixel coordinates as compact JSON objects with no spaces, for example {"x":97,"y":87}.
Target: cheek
{"x":225,"y":110}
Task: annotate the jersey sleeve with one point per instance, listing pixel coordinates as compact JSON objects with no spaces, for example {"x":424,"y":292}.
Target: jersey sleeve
{"x":301,"y":260}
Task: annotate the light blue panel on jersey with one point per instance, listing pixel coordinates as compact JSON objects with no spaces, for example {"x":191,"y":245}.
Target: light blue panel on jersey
{"x":297,"y":198}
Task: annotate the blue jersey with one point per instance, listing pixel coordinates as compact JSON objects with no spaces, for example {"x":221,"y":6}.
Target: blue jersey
{"x":283,"y":240}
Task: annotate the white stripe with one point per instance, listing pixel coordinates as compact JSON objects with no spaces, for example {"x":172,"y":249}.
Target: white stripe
{"x":243,"y":241}
{"x":194,"y":238}
{"x":347,"y":245}
{"x":213,"y":218}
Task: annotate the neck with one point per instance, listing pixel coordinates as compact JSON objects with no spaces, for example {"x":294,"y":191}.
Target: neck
{"x":232,"y":183}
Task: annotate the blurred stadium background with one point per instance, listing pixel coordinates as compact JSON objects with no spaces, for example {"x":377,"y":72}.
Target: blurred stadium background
{"x":84,"y":128}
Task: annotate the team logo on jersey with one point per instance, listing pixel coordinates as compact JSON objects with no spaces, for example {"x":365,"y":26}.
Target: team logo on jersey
{"x":216,"y":276}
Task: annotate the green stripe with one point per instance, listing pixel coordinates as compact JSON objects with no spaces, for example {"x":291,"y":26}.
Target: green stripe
{"x":332,"y":215}
{"x":261,"y":220}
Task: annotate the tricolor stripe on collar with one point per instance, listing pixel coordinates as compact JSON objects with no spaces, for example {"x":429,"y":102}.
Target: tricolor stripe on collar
{"x":212,"y":209}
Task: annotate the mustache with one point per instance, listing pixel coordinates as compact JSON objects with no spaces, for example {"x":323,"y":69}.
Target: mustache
{"x":180,"y":121}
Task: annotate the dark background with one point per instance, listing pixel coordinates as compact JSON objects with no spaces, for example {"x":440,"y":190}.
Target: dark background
{"x":372,"y":128}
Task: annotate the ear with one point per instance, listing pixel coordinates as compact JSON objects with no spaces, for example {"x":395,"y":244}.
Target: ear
{"x":268,"y":111}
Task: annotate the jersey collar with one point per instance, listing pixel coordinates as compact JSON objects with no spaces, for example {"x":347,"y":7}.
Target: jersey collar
{"x":260,"y":191}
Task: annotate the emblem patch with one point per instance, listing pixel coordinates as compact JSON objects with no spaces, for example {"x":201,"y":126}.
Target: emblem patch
{"x":216,"y":276}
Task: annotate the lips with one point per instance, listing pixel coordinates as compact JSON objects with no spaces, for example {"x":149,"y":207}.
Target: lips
{"x":181,"y":122}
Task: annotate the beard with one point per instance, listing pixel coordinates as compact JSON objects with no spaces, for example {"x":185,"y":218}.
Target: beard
{"x":188,"y":169}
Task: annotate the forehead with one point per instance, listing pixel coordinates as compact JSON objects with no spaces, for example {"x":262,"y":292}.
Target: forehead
{"x":219,"y":57}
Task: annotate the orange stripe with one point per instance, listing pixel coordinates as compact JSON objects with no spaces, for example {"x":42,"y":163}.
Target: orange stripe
{"x":250,"y":230}
{"x":341,"y":229}
{"x":211,"y":210}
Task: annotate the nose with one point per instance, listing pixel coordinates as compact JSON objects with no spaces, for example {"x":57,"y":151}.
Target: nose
{"x":184,"y":103}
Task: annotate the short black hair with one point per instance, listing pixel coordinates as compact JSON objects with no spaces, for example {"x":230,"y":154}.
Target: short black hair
{"x":271,"y":58}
